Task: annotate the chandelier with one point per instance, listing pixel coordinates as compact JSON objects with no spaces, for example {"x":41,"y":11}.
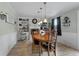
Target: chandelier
{"x":45,"y":20}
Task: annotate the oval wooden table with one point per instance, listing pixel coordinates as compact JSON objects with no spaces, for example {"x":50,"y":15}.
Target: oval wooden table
{"x":41,"y":38}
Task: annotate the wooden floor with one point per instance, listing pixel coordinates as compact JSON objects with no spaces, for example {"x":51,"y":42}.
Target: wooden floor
{"x":23,"y":48}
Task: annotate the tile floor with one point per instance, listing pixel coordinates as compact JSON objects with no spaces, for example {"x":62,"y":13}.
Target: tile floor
{"x":23,"y":48}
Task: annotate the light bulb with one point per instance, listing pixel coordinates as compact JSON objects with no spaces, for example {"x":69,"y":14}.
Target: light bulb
{"x":40,"y":22}
{"x":45,"y":20}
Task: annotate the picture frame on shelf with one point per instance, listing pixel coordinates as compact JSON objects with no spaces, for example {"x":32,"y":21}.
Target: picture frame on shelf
{"x":20,"y":19}
{"x":20,"y":24}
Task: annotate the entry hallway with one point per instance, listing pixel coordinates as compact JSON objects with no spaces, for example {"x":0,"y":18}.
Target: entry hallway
{"x":23,"y":48}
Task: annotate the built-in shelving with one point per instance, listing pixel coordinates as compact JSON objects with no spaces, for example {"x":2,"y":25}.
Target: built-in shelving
{"x":23,"y":28}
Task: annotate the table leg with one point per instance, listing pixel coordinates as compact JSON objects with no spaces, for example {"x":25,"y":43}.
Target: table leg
{"x":40,"y":49}
{"x":48,"y":50}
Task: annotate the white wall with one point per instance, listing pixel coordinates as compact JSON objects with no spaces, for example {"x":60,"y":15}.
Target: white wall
{"x":69,"y":34}
{"x":78,"y":28}
{"x":7,"y":31}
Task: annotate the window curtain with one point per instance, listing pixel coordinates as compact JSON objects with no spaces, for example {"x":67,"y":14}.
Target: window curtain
{"x":52,"y":24}
{"x":58,"y":26}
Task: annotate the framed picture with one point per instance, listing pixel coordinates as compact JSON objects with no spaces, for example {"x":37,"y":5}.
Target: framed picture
{"x":66,"y":21}
{"x":3,"y":17}
{"x":34,"y":21}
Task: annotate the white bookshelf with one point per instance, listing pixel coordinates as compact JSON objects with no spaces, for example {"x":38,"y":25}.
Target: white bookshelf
{"x":23,"y":28}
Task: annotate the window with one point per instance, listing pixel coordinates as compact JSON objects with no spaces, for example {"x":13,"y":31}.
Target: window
{"x":55,"y":22}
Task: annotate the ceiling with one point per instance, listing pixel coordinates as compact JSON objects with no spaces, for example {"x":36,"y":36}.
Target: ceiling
{"x":52,"y":8}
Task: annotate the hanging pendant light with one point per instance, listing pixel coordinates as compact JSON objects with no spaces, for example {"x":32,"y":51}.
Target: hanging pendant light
{"x":40,"y":22}
{"x":45,"y":20}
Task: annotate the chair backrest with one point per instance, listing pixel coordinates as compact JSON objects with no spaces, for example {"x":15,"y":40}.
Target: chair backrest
{"x":34,"y":32}
{"x":53,"y":34}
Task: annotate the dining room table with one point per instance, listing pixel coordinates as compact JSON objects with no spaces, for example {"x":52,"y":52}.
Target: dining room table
{"x":41,"y":38}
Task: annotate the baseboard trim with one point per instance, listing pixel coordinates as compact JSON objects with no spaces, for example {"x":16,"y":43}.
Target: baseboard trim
{"x":67,"y":46}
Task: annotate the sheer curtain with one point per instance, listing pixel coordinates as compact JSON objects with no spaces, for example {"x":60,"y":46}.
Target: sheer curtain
{"x":58,"y":25}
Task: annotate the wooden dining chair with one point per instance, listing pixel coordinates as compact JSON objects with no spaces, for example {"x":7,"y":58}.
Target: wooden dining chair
{"x":53,"y":40}
{"x":51,"y":44}
{"x":35,"y":44}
